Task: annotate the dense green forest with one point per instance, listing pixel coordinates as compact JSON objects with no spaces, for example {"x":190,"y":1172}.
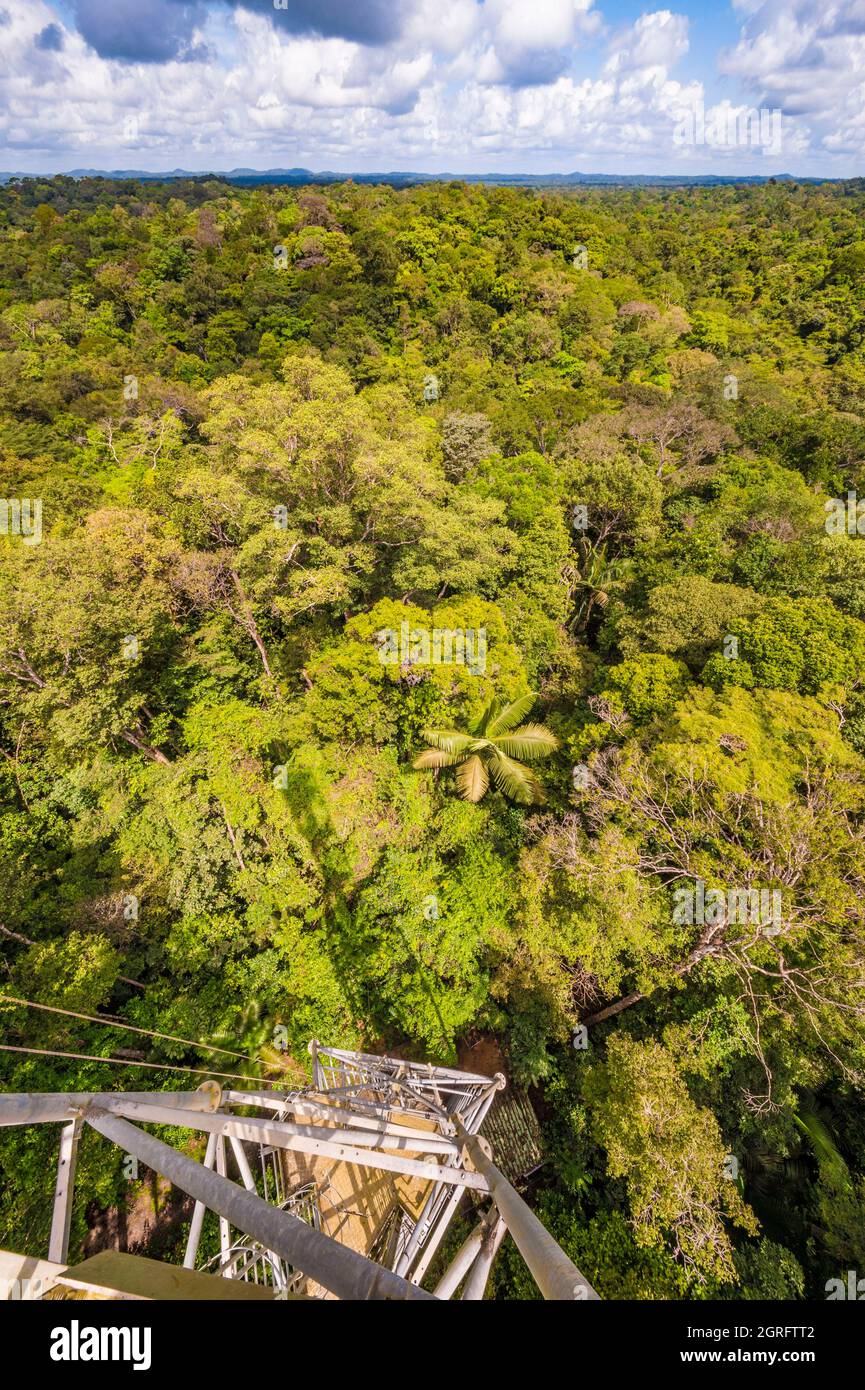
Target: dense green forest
{"x":424,"y":614}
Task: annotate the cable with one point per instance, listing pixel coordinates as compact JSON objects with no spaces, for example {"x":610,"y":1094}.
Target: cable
{"x":122,"y":1062}
{"x":129,"y":1027}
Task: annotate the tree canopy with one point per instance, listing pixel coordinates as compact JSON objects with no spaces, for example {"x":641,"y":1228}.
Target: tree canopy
{"x":298,"y":482}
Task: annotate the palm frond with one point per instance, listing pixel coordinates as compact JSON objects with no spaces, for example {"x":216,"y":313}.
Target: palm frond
{"x":472,"y":779}
{"x":515,"y":780}
{"x":528,"y":743}
{"x":450,"y":740}
{"x":436,"y":757}
{"x":490,"y":713}
{"x":510,"y":716}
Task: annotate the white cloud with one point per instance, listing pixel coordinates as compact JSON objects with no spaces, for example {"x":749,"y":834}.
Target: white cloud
{"x":456,"y":86}
{"x":656,"y":41}
{"x":807,"y":59}
{"x":531,"y":44}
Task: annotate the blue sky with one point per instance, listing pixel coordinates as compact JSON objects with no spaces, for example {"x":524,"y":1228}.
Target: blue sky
{"x":739,"y":86}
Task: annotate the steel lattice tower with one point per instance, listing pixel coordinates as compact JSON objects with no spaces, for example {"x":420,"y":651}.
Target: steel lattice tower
{"x":343,"y":1188}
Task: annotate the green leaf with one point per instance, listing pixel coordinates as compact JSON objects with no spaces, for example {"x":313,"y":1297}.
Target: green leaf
{"x":530,"y":742}
{"x":511,"y":715}
{"x":514,"y":780}
{"x":490,"y":713}
{"x":447,"y":739}
{"x":472,"y":779}
{"x":436,"y":757}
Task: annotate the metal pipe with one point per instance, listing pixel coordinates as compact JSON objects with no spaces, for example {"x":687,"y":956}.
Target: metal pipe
{"x":198,"y":1211}
{"x":224,"y":1227}
{"x":334,"y":1266}
{"x":381,"y":1119}
{"x":363,"y":1139}
{"x":52,"y":1107}
{"x":242,"y":1162}
{"x":556,"y":1276}
{"x":476,"y":1284}
{"x":461,"y":1262}
{"x":58,"y":1241}
{"x":299,"y":1139}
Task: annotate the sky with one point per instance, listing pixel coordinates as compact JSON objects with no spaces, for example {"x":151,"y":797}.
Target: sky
{"x":436,"y":86}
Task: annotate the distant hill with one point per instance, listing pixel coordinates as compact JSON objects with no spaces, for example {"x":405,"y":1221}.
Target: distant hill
{"x":401,"y":178}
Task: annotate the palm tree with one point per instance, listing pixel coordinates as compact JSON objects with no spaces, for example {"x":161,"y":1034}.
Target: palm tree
{"x":496,"y":747}
{"x":254,"y":1033}
{"x":590,"y":581}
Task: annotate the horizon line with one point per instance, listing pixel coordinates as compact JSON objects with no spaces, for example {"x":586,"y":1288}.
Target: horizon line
{"x":443,"y":174}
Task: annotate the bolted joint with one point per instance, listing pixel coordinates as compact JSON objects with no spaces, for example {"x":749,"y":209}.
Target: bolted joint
{"x":466,"y":1151}
{"x":214,"y":1091}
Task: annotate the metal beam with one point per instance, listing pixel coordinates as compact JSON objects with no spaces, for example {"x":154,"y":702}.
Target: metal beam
{"x":334,"y":1266}
{"x":365,"y":1139}
{"x":299,"y":1140}
{"x":53,"y":1107}
{"x":58,"y":1242}
{"x":242,"y":1163}
{"x":224,"y":1227}
{"x":381,"y":1120}
{"x":462,"y":1261}
{"x":436,"y":1215}
{"x":437,"y":1212}
{"x":387,"y":1066}
{"x":198,"y":1211}
{"x":476,"y":1284}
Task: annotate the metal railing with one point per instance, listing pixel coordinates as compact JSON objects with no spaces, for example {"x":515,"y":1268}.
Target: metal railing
{"x":247,"y":1259}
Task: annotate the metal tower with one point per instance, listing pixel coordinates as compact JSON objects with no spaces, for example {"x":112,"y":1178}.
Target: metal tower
{"x":345,"y":1187}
